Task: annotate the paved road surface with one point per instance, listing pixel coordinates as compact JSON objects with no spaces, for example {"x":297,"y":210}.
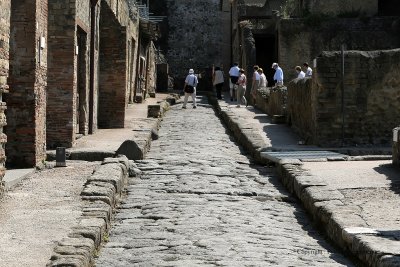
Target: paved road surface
{"x":201,"y":202}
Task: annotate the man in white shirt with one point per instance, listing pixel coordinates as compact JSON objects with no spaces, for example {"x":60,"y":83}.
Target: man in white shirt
{"x":307,"y":69}
{"x":189,"y":88}
{"x":278,"y":76}
{"x":234,"y":76}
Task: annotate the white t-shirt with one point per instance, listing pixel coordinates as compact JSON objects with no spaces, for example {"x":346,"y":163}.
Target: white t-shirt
{"x":263,"y":80}
{"x":308,"y":72}
{"x":218,"y":77}
{"x":301,"y":75}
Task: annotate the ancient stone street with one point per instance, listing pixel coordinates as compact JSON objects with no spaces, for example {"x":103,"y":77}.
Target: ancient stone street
{"x":200,"y":201}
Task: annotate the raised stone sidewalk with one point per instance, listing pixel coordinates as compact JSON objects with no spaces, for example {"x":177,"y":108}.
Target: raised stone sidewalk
{"x":354,"y":199}
{"x":66,"y":212}
{"x":104,"y":188}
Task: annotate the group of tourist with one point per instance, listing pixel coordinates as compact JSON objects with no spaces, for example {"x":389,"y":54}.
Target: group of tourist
{"x":238,"y":81}
{"x":306,"y":71}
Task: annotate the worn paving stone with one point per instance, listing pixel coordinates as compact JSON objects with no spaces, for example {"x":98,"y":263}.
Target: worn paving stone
{"x":201,"y":202}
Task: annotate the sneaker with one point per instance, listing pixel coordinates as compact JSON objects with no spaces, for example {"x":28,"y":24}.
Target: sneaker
{"x":194,"y":107}
{"x":238,"y":106}
{"x":183,"y":107}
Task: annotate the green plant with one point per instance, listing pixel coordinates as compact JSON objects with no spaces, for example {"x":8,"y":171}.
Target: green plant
{"x":288,"y":8}
{"x":106,"y":237}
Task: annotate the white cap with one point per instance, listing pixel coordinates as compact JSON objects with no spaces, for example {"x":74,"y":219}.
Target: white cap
{"x":191,"y":71}
{"x":274,"y":64}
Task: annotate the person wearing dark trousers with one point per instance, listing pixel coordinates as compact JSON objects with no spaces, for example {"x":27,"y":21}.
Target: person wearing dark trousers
{"x":218,"y":81}
{"x":234,"y":76}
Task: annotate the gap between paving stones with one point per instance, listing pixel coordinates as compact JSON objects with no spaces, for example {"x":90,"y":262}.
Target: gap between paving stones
{"x":316,"y":196}
{"x":101,"y":194}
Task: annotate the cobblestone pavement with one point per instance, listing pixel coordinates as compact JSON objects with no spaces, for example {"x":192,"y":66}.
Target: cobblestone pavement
{"x":201,"y":202}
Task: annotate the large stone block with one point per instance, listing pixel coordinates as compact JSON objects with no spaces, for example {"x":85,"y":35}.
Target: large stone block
{"x":370,"y":102}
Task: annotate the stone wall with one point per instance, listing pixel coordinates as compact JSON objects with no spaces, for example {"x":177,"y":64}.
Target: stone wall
{"x":303,"y":40}
{"x":195,"y":38}
{"x":396,"y":146}
{"x":26,"y":114}
{"x":301,"y":109}
{"x":337,"y":7}
{"x":152,"y":71}
{"x":5,"y":10}
{"x":371,"y":99}
{"x":272,"y":101}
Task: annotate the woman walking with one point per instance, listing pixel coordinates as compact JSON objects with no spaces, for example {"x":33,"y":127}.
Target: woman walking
{"x":241,"y":89}
{"x":218,"y":81}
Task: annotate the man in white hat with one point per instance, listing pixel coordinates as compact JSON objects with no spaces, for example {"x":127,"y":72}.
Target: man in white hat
{"x":191,"y":82}
{"x":278,"y":76}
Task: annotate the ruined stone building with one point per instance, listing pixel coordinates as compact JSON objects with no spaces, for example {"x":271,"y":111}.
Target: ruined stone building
{"x":293,"y":32}
{"x":261,"y":32}
{"x":73,"y":68}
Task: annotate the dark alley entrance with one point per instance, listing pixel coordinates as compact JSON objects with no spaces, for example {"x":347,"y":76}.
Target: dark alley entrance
{"x":266,"y":54}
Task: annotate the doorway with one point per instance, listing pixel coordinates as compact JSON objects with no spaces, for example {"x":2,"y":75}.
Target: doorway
{"x":266,"y":54}
{"x":387,"y":8}
{"x":81,"y":82}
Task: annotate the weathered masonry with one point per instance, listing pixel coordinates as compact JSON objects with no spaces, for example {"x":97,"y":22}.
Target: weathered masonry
{"x":371,"y":99}
{"x":267,"y":31}
{"x":71,"y":67}
{"x":92,"y":58}
{"x":5,"y":5}
{"x":198,"y":37}
{"x":26,"y":112}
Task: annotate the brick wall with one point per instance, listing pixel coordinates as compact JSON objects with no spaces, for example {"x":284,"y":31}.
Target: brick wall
{"x":26,"y":113}
{"x":371,"y":99}
{"x":61,"y":84}
{"x":5,"y":9}
{"x":301,"y":41}
{"x":113,"y":71}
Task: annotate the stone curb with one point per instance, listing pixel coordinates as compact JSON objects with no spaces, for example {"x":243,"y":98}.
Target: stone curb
{"x":321,"y":201}
{"x":348,"y":231}
{"x":101,"y":194}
